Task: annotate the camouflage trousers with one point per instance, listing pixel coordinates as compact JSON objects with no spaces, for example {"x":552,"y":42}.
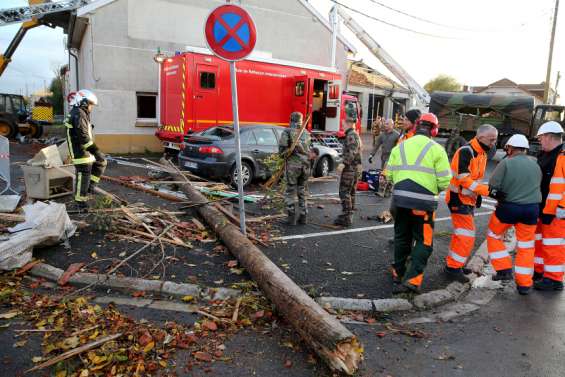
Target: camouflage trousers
{"x":347,"y":189}
{"x":296,"y":179}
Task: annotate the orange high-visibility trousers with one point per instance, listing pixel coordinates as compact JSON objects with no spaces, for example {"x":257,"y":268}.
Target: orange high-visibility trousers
{"x":462,"y":240}
{"x":550,"y":249}
{"x":525,"y":247}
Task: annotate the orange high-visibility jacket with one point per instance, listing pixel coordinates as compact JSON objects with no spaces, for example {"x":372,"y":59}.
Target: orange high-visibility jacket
{"x":406,"y":135}
{"x":556,"y":196}
{"x":467,"y":176}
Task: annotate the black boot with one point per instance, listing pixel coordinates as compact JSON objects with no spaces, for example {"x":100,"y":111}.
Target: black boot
{"x":456,"y":274}
{"x":538,"y":276}
{"x":343,"y":220}
{"x":503,"y":275}
{"x":398,"y":289}
{"x":547,"y":284}
{"x":523,"y":290}
{"x":303,"y":219}
{"x":291,"y":219}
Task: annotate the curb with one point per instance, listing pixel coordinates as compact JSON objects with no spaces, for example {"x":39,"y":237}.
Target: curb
{"x":167,"y":288}
{"x":424,"y":301}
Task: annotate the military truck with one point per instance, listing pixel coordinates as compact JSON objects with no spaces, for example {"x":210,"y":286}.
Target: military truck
{"x":15,"y":117}
{"x":460,"y":114}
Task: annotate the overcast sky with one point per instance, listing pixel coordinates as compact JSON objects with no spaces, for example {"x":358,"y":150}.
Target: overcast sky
{"x":479,"y":41}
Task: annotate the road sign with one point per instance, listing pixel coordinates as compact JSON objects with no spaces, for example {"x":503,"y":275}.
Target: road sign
{"x":230,"y":32}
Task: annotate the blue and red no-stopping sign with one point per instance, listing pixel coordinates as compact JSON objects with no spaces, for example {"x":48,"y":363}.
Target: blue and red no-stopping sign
{"x":230,"y":32}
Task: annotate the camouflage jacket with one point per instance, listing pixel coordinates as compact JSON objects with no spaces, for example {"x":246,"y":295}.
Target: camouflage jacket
{"x":300,"y":153}
{"x":352,"y":149}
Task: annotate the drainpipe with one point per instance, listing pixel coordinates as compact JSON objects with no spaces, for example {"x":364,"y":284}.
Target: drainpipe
{"x":76,"y":68}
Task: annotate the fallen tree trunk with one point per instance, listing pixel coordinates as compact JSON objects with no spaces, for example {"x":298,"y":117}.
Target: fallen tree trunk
{"x":335,"y":344}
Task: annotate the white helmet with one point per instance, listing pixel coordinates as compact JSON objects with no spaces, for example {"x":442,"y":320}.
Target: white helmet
{"x":518,"y":141}
{"x":551,"y":127}
{"x":85,"y":97}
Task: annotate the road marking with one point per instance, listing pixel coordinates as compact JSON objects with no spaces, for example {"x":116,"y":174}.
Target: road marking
{"x":355,"y":230}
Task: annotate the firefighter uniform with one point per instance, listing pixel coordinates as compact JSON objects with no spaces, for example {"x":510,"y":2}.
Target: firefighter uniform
{"x":419,"y":170}
{"x":464,"y":194}
{"x":550,"y":233}
{"x":88,"y":160}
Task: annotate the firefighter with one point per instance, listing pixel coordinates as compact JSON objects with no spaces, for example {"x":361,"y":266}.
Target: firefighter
{"x":419,"y":170}
{"x":409,"y":124}
{"x":464,"y":194}
{"x":88,"y":160}
{"x":297,"y":168}
{"x":550,"y":245}
{"x":350,"y":168}
{"x":515,"y":183}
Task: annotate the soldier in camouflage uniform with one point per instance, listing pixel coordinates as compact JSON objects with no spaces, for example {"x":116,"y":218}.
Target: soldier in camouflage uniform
{"x":350,"y":171}
{"x":297,"y":168}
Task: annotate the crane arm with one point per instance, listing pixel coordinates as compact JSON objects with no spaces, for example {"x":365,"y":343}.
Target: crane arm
{"x":384,"y":57}
{"x":31,"y":17}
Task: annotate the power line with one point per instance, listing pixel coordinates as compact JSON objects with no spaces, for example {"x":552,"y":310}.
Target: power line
{"x":389,"y":23}
{"x":417,"y":17}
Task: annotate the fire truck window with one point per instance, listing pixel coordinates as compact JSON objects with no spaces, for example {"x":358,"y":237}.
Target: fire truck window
{"x":265,"y":136}
{"x":207,"y":80}
{"x":146,"y":105}
{"x":299,"y":89}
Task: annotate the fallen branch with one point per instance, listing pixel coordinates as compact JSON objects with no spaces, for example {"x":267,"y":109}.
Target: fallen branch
{"x":74,"y":352}
{"x":334,"y":343}
{"x":137,"y":187}
{"x":236,"y":310}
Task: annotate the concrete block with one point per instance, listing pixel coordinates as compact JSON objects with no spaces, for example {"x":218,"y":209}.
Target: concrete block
{"x":434,"y":298}
{"x":340,"y":303}
{"x":456,"y":310}
{"x":47,"y":271}
{"x":392,"y":305}
{"x":181,"y":290}
{"x":221,"y":293}
{"x":457,"y":288}
{"x":480,"y":296}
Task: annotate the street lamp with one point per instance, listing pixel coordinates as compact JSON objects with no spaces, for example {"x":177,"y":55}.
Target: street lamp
{"x":159,"y":58}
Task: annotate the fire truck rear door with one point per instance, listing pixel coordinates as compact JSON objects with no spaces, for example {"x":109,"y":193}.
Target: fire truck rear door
{"x":333,"y":104}
{"x":302,"y":96}
{"x":205,"y":96}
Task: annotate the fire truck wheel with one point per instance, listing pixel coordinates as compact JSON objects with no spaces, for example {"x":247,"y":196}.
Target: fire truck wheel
{"x":322,"y":168}
{"x":8,"y":129}
{"x":247,"y":174}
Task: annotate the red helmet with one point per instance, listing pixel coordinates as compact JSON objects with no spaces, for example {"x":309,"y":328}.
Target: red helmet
{"x":432,"y":121}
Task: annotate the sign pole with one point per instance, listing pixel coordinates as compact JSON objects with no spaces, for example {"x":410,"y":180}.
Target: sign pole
{"x":233,"y":77}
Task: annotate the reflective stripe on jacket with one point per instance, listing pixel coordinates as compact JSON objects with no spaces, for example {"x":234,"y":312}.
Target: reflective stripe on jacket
{"x":467,"y":174}
{"x":556,"y":196}
{"x":419,"y":169}
{"x":79,"y":136}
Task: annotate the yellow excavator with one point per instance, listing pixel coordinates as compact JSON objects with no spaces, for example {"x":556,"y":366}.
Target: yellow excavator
{"x":14,"y":118}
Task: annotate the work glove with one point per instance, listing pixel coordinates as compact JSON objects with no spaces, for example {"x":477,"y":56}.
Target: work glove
{"x":560,"y":213}
{"x":546,"y":219}
{"x":93,"y":149}
{"x":479,"y":202}
{"x":339,"y":168}
{"x":370,"y":159}
{"x":496,"y":194}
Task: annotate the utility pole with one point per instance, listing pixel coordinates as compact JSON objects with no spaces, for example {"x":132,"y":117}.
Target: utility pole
{"x":556,"y":86}
{"x":552,"y":40}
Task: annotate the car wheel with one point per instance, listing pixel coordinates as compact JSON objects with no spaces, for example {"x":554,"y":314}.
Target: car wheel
{"x":322,"y":167}
{"x":247,"y":174}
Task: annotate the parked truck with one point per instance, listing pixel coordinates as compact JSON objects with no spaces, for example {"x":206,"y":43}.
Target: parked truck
{"x":460,"y":114}
{"x":196,"y":95}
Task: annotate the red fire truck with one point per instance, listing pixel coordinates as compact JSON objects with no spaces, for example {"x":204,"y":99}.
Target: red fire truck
{"x":196,"y":94}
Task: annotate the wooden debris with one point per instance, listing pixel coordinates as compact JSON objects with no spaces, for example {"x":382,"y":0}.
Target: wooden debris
{"x":334,"y":343}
